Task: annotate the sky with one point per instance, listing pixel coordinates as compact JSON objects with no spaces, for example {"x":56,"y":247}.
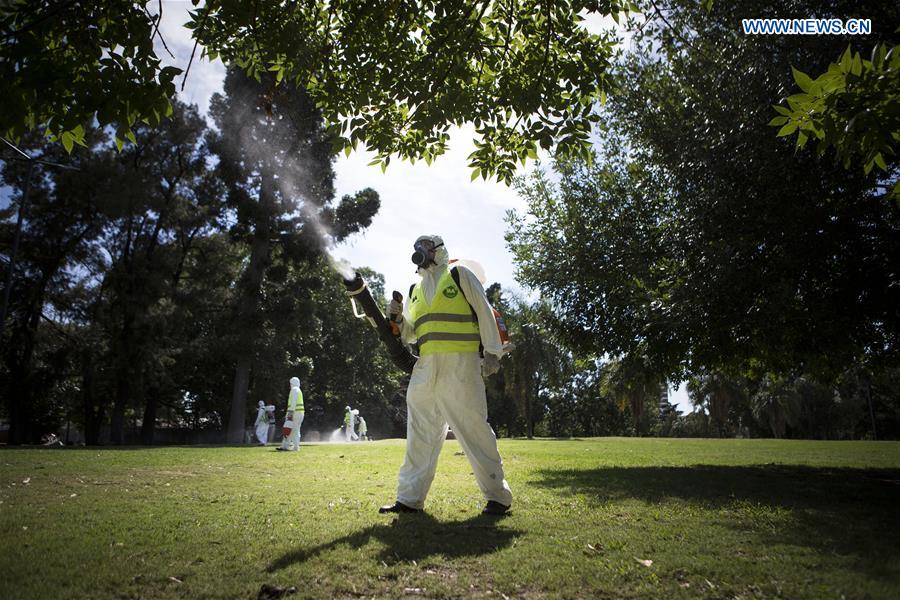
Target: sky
{"x":415,"y":199}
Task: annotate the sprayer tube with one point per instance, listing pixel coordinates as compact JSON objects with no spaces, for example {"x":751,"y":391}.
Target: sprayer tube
{"x":400,"y":355}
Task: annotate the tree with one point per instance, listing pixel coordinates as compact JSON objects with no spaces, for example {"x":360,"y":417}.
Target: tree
{"x":153,"y":224}
{"x":393,"y":75}
{"x":64,"y":64}
{"x":62,"y":221}
{"x":719,"y":394}
{"x":276,"y":161}
{"x":632,"y":385}
{"x":698,"y":240}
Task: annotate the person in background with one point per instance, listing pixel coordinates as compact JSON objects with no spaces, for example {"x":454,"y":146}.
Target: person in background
{"x":262,"y":424}
{"x":294,"y":417}
{"x":350,"y":424}
{"x":270,"y":415}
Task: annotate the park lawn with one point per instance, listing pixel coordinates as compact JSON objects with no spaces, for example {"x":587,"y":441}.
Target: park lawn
{"x":717,"y":518}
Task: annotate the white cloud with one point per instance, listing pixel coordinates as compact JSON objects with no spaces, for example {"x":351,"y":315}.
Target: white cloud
{"x":437,"y":199}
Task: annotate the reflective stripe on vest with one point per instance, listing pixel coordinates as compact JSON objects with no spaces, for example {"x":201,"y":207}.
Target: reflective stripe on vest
{"x":447,"y":324}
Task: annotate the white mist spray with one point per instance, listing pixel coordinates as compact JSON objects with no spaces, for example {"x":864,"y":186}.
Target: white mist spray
{"x":313,"y":219}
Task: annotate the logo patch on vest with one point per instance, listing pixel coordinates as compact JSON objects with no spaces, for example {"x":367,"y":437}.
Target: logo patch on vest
{"x":450,"y":291}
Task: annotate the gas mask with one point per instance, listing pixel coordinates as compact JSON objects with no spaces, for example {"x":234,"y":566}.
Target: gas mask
{"x":424,"y":252}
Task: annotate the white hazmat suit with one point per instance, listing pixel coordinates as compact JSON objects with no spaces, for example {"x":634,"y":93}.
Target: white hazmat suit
{"x":446,"y":388}
{"x":350,"y":424}
{"x":262,"y":424}
{"x":294,"y":415}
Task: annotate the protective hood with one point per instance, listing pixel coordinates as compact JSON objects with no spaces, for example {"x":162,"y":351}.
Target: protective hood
{"x":262,"y":404}
{"x":441,"y":256}
{"x":295,"y":383}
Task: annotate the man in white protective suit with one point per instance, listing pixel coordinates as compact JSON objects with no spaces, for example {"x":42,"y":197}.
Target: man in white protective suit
{"x":262,"y":424}
{"x":350,"y":424}
{"x":450,"y":318}
{"x":291,"y":441}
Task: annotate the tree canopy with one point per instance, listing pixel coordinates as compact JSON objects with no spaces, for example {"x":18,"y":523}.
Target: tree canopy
{"x":698,"y":240}
{"x":392,"y":75}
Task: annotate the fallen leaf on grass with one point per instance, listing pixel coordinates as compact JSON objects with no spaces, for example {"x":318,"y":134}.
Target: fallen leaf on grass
{"x":684,"y":584}
{"x":710,"y":584}
{"x":592,"y":549}
{"x":645,"y":561}
{"x":72,"y":495}
{"x":26,"y":480}
{"x":175,"y":579}
{"x":413,"y":590}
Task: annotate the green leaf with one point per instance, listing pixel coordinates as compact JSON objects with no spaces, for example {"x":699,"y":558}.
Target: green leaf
{"x":788,"y":129}
{"x":856,"y":66}
{"x":778,"y":121}
{"x":68,"y":141}
{"x":475,"y":173}
{"x":846,"y":60}
{"x":802,"y":79}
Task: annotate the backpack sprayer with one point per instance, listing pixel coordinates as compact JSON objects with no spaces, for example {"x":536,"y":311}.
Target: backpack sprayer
{"x":364,"y":306}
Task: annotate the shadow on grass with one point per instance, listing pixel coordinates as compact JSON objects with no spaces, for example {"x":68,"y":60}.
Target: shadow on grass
{"x":847,"y":512}
{"x":408,"y":537}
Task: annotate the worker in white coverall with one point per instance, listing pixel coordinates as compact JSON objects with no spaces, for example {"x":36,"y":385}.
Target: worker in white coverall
{"x":363,"y":429}
{"x":262,"y":424}
{"x":294,"y":415}
{"x":350,"y":424}
{"x":449,"y":322}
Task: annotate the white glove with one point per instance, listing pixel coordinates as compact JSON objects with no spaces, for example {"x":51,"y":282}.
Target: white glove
{"x":395,"y":311}
{"x":490,"y":364}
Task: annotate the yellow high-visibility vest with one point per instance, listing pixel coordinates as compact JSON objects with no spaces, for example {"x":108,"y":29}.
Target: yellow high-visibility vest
{"x":448,"y":323}
{"x":298,"y":402}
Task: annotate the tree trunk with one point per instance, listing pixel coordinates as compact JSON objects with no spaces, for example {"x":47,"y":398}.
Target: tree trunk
{"x":148,"y":426}
{"x":93,"y":411}
{"x":21,"y":425}
{"x":529,"y":415}
{"x":871,"y":408}
{"x":238,"y":417}
{"x":117,"y":422}
{"x":248,"y":310}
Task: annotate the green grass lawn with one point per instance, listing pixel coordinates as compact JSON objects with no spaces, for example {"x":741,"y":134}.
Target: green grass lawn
{"x":717,"y":518}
